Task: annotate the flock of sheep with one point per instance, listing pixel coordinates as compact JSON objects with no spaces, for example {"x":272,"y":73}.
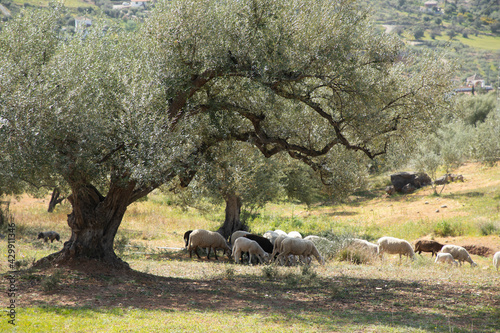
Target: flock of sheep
{"x":286,"y":247}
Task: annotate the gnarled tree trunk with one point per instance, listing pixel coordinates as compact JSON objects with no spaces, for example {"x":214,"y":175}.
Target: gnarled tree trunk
{"x":232,"y":221}
{"x":94,"y":222}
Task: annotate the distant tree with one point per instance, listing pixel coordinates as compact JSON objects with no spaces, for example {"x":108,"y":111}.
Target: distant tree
{"x":418,"y":33}
{"x":451,"y":34}
{"x":475,"y":109}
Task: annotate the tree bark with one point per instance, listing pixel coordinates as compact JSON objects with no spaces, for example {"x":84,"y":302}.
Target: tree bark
{"x":94,"y":222}
{"x":232,"y":221}
{"x":54,"y":200}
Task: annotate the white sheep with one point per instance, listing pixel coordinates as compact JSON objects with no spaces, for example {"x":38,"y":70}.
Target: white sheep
{"x":294,"y":234}
{"x":237,"y":234}
{"x":459,"y":253}
{"x":496,"y":260}
{"x":207,"y":239}
{"x":391,"y":245}
{"x":364,"y":245}
{"x":271,"y":235}
{"x":445,"y":258}
{"x":244,"y":244}
{"x":299,"y":247}
{"x":277,"y":245}
{"x":280,"y":232}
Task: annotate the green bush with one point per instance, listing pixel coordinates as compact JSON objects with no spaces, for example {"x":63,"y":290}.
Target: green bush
{"x":489,"y":228}
{"x":355,"y":256}
{"x":448,"y":229}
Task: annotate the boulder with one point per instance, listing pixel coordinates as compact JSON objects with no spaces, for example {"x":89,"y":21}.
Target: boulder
{"x":416,"y":179}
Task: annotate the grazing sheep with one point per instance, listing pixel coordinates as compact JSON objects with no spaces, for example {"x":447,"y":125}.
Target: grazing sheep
{"x":280,"y":232}
{"x":237,"y":234}
{"x":277,"y":245}
{"x":186,"y":237}
{"x":271,"y":235}
{"x":364,"y":245}
{"x":294,"y":234}
{"x":49,"y":235}
{"x":424,"y":245}
{"x":264,"y":243}
{"x":458,"y":253}
{"x":299,"y":247}
{"x":496,"y":260}
{"x":391,"y":245}
{"x":243,"y":244}
{"x":209,"y":239}
{"x":446,"y":258}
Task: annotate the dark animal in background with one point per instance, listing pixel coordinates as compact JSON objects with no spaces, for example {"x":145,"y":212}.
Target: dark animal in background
{"x":264,"y":243}
{"x":424,"y":245}
{"x":186,"y":237}
{"x":49,"y":235}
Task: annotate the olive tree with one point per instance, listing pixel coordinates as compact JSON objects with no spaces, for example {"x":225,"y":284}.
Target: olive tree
{"x":117,"y":114}
{"x":240,"y":176}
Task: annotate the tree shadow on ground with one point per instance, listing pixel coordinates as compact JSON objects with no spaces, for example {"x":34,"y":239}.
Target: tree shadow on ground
{"x":300,"y":297}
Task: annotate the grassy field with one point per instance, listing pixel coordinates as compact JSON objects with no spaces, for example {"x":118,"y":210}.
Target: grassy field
{"x":167,"y":291}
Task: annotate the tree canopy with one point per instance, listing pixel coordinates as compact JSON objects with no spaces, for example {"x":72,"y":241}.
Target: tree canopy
{"x":115,"y":114}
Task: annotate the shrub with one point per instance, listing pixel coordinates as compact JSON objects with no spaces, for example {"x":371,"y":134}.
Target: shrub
{"x":120,"y":244}
{"x":354,"y":256}
{"x":447,"y":229}
{"x":489,"y":228}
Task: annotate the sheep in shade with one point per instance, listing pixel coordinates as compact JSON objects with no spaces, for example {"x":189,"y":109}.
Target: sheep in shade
{"x":299,"y":247}
{"x":207,"y":239}
{"x":277,"y":245}
{"x":186,"y":237}
{"x":459,"y":253}
{"x":294,"y":234}
{"x":49,"y":235}
{"x":271,"y":235}
{"x":237,"y":234}
{"x":243,"y":244}
{"x":391,"y":245}
{"x":264,"y":243}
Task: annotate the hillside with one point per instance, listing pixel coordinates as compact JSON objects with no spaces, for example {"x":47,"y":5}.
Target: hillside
{"x":469,"y":29}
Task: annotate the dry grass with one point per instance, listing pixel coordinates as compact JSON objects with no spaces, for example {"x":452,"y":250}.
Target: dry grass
{"x":200,"y":296}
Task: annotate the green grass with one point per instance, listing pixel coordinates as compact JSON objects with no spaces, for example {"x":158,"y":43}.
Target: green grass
{"x":482,"y":42}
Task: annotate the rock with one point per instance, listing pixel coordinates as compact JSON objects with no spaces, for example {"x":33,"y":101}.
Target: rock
{"x":442,"y":180}
{"x":455,"y":178}
{"x":408,"y":188}
{"x":417,"y":180}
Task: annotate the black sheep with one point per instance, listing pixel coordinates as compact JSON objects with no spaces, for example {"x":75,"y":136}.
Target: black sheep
{"x":264,"y":243}
{"x":186,"y":237}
